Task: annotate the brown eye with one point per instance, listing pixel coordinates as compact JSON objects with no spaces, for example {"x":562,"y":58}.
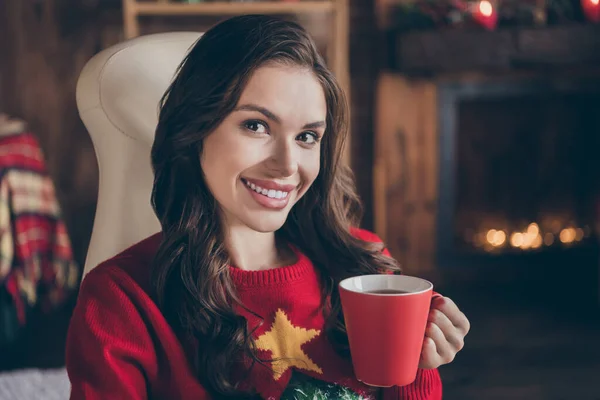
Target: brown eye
{"x":308,"y":138}
{"x":256,"y":126}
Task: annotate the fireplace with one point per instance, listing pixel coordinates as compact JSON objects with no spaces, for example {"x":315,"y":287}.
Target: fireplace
{"x":488,"y":170}
{"x":487,"y":154}
{"x":519,"y":169}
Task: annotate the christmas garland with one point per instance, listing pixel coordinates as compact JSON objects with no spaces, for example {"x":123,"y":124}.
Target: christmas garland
{"x":491,"y":14}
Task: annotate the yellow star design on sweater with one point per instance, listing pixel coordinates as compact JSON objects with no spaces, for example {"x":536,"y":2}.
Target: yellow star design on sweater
{"x":285,"y":341}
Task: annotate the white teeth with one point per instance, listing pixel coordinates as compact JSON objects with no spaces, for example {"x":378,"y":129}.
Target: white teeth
{"x":272,"y":193}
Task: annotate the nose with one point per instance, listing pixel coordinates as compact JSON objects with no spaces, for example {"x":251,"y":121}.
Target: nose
{"x":284,"y":160}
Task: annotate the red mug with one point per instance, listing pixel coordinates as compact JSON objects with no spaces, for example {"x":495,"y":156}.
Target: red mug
{"x":386,"y":317}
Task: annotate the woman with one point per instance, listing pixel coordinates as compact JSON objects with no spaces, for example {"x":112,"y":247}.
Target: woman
{"x":237,"y":296}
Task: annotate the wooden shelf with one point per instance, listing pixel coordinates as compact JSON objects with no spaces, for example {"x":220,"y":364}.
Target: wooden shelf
{"x":233,"y":8}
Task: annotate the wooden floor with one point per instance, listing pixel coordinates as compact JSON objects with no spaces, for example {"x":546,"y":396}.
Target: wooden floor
{"x":523,"y":344}
{"x":526,"y":346}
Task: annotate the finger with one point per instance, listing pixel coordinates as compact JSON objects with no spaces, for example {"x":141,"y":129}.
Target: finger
{"x":451,"y":333}
{"x":451,"y":310}
{"x":429,"y":357}
{"x":443,"y":347}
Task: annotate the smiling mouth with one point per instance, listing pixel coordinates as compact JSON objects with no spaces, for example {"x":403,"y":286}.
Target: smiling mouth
{"x":270,"y":193}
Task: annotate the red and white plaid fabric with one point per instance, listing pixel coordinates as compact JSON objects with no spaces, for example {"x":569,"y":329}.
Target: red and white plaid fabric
{"x":36,"y":259}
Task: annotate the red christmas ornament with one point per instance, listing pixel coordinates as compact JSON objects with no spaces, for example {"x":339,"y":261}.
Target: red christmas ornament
{"x":485,"y":14}
{"x":591,"y":9}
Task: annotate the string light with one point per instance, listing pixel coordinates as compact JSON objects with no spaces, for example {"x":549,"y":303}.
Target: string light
{"x":484,"y":13}
{"x":517,"y":239}
{"x":591,"y":10}
{"x":496,"y":238}
{"x":532,"y":237}
{"x":486,"y":9}
{"x":533,"y":229}
{"x":567,"y":235}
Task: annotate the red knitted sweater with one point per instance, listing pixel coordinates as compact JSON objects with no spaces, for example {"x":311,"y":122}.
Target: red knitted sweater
{"x":120,"y":346}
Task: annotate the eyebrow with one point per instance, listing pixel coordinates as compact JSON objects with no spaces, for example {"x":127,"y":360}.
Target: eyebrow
{"x":273,"y":117}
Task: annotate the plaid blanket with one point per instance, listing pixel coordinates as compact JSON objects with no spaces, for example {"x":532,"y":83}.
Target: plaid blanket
{"x":36,"y":261}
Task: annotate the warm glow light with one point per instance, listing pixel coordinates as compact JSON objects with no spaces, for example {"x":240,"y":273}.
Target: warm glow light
{"x":567,"y":235}
{"x":486,"y":8}
{"x":499,"y":238}
{"x":495,"y":238}
{"x":537,"y":242}
{"x":591,"y":9}
{"x":533,"y":229}
{"x":532,"y":237}
{"x":517,"y":239}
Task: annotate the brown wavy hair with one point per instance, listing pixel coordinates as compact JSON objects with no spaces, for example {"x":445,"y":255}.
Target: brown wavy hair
{"x":190,"y":273}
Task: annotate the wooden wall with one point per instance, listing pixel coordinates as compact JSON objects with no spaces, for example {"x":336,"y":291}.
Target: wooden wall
{"x":366,"y":55}
{"x":406,"y":171}
{"x":44,"y":44}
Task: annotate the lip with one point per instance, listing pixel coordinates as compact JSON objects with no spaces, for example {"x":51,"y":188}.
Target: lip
{"x":270,"y":185}
{"x":265,"y":201}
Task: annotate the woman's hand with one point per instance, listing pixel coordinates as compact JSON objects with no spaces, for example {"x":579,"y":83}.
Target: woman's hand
{"x":447,"y":327}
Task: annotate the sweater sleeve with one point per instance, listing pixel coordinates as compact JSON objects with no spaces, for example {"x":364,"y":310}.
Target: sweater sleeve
{"x":109,"y":349}
{"x":428,"y":384}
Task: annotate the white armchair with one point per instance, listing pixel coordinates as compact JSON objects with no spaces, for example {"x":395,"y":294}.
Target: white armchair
{"x":118,"y":93}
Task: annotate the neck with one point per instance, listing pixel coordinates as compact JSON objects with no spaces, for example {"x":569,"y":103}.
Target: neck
{"x":254,"y":251}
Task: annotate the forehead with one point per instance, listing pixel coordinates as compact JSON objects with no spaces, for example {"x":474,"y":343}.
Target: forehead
{"x":292,"y":93}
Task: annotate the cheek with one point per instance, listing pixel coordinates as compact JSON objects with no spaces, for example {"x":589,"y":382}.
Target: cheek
{"x":214,"y":149}
{"x":312,"y":166}
{"x":224,"y":157}
{"x":220,"y":174}
{"x":216,"y":164}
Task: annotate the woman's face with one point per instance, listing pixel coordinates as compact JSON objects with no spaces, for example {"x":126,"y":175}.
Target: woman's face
{"x":265,"y":155}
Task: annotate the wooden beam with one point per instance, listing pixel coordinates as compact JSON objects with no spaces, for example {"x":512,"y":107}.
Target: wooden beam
{"x":437,"y":52}
{"x":232,"y":8}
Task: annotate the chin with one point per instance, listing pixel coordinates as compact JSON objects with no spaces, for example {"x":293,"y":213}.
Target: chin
{"x":265,"y":224}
